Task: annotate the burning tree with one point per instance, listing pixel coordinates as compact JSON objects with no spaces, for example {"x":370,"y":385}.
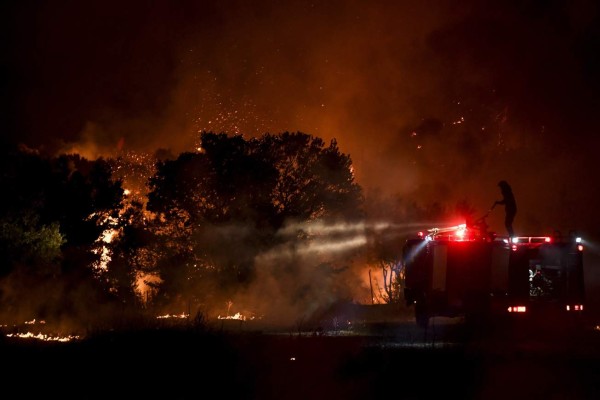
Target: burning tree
{"x":58,"y":207}
{"x":221,"y":207}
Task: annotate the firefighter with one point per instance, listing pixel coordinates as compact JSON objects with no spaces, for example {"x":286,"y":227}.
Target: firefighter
{"x":510,"y":206}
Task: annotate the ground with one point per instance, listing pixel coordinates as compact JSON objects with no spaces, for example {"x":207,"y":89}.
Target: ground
{"x":375,"y":359}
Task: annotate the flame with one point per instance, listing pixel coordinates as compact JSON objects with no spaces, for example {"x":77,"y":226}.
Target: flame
{"x":41,"y":336}
{"x":237,"y":315}
{"x":33,"y":321}
{"x":176,"y":316}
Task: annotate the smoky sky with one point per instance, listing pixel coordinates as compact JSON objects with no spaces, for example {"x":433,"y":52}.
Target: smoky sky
{"x":433,"y":100}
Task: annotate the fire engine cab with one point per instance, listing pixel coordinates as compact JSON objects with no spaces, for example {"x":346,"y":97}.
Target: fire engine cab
{"x":458,"y":271}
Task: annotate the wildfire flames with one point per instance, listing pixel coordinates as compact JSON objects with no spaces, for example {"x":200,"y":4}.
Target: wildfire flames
{"x":41,"y":336}
{"x":173,"y":316}
{"x":238,"y":316}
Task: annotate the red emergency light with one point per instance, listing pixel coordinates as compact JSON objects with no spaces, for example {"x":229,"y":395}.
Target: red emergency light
{"x":575,"y":307}
{"x":517,"y":309}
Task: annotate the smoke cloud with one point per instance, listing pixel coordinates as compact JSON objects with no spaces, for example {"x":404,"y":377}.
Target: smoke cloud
{"x":436,"y":101}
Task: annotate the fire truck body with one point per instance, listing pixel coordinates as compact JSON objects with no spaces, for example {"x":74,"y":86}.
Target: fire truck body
{"x":454,"y":275}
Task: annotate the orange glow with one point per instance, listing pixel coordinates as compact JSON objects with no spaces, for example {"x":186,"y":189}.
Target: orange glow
{"x":143,"y":285}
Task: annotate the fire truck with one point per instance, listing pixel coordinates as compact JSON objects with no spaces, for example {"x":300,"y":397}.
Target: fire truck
{"x":464,"y":271}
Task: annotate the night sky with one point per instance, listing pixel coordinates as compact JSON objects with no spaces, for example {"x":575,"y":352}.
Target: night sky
{"x":433,"y":100}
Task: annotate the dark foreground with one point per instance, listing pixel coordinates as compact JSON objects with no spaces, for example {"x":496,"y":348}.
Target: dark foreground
{"x":389,"y":361}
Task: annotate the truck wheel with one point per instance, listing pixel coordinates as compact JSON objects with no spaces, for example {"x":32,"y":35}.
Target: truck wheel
{"x":421,"y":316}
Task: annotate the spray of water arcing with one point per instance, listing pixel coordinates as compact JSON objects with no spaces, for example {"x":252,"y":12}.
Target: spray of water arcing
{"x":337,"y":237}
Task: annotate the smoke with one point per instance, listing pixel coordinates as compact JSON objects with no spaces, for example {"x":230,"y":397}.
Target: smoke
{"x":57,"y":306}
{"x":435,"y":101}
{"x":316,"y":265}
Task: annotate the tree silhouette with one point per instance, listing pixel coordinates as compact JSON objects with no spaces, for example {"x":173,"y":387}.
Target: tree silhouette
{"x":52,"y":219}
{"x":224,"y":205}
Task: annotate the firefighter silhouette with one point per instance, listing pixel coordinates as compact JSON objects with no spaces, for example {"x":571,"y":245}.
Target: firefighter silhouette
{"x":510,"y":206}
